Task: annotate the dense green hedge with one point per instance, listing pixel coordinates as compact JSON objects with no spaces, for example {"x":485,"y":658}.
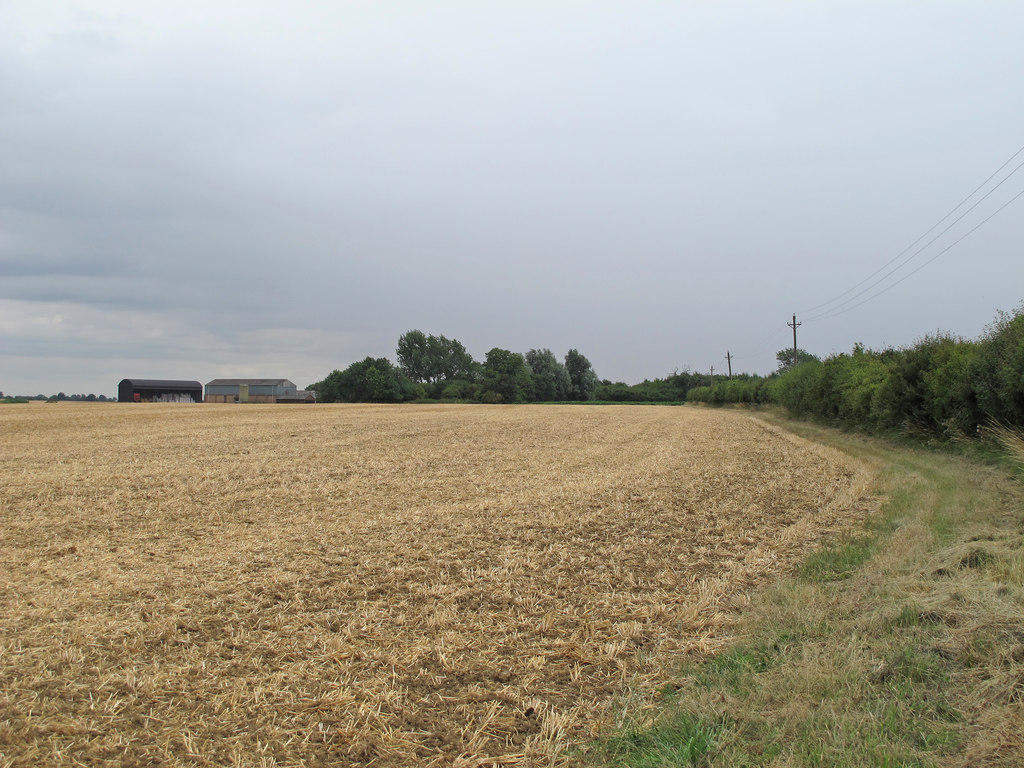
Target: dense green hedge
{"x":942,"y":385}
{"x":671,"y":389}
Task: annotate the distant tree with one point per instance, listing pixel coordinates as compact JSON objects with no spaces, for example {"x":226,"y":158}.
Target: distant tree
{"x":784,"y":357}
{"x":414,"y":356}
{"x":618,"y":391}
{"x":454,"y":362}
{"x":506,"y":377}
{"x":433,"y":359}
{"x":460,"y":389}
{"x":550,"y":378}
{"x":582,"y":379}
{"x":368,"y":381}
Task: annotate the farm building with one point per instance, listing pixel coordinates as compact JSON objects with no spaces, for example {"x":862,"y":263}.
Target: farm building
{"x":255,"y":391}
{"x":159,"y":391}
{"x":301,"y":396}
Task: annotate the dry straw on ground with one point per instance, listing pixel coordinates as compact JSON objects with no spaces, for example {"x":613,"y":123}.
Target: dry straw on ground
{"x":358,"y":585}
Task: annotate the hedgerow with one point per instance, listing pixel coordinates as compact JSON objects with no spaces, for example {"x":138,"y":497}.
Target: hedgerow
{"x":942,"y":385}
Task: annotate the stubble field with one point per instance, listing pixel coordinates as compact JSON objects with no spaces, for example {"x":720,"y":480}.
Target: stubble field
{"x":388,"y":586}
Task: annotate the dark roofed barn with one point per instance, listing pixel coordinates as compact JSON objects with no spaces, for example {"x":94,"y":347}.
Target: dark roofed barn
{"x":159,"y":391}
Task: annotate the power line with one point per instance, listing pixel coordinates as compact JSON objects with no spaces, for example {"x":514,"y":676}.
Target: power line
{"x":978,"y":226}
{"x":761,"y":344}
{"x":919,"y":239}
{"x":839,"y":310}
{"x":907,"y":260}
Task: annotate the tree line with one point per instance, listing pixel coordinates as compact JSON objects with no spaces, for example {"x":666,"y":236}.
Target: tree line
{"x":60,"y":397}
{"x":432,"y":367}
{"x":943,"y":385}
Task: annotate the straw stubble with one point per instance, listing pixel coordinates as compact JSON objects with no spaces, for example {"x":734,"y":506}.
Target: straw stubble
{"x":425,"y":585}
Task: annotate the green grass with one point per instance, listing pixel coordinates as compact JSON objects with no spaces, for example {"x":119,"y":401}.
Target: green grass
{"x":681,"y":740}
{"x":899,"y":644}
{"x":838,"y":560}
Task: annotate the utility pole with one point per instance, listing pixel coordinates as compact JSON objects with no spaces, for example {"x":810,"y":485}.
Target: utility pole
{"x":712,"y":375}
{"x":794,"y":325}
{"x":728,"y":359}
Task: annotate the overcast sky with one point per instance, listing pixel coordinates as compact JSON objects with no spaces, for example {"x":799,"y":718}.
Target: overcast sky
{"x":210,"y":189}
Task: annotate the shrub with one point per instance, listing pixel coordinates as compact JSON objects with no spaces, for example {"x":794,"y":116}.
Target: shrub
{"x":942,"y":385}
{"x":999,"y":369}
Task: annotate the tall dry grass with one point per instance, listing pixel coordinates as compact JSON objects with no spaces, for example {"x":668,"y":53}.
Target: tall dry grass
{"x":1012,"y":441}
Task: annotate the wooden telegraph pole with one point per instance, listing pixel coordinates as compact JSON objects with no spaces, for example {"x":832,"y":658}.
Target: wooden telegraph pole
{"x":794,"y":325}
{"x":728,"y":359}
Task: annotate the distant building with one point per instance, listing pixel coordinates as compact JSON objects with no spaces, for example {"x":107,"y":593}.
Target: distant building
{"x":256,"y":391}
{"x":159,"y":391}
{"x":302,"y":396}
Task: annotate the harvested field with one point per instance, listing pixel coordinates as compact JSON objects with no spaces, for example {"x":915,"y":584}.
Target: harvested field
{"x":389,"y":586}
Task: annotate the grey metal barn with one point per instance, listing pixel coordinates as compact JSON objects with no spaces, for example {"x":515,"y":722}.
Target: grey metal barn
{"x":159,"y":391}
{"x":252,"y":391}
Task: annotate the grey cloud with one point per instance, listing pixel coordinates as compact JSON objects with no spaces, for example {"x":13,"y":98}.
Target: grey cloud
{"x":653,"y":184}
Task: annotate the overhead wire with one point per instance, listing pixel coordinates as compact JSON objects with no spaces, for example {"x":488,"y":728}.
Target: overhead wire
{"x":920,"y":250}
{"x":830,"y":314}
{"x":907,"y":260}
{"x":839,"y":309}
{"x":761,"y":345}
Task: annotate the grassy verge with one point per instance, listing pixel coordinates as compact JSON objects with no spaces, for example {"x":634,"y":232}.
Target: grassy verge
{"x":901,"y":645}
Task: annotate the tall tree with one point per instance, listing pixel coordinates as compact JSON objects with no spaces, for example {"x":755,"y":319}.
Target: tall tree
{"x":550,"y":378}
{"x":414,"y":356}
{"x":433,"y":359}
{"x":367,"y":381}
{"x":454,"y":361}
{"x":784,"y":357}
{"x":582,"y":379}
{"x":507,"y":376}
